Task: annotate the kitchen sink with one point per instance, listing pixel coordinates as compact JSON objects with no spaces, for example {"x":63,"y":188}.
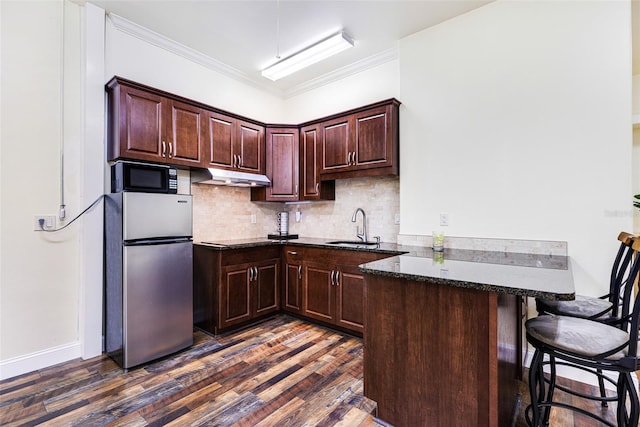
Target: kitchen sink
{"x":352,"y":243}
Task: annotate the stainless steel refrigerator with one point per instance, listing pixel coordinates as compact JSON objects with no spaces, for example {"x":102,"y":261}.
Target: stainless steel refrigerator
{"x":149,"y":275}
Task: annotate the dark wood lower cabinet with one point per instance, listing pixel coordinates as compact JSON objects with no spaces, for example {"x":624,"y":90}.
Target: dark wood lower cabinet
{"x":440,"y":355}
{"x":292,"y":279}
{"x":319,"y":292}
{"x":350,"y":299}
{"x":234,"y":287}
{"x":333,"y":287}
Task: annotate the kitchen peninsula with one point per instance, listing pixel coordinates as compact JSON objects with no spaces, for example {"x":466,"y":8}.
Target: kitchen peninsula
{"x":443,"y":333}
{"x":442,"y":330}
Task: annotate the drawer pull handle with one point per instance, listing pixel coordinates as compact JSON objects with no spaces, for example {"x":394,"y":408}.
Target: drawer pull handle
{"x":292,"y":252}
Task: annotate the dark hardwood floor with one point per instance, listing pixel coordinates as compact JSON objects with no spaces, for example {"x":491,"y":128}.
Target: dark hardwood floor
{"x":282,"y":372}
{"x":564,"y":418}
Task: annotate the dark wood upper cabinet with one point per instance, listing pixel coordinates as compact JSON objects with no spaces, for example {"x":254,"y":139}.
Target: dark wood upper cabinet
{"x":185,"y":133}
{"x":144,"y":125}
{"x":234,"y":144}
{"x":219,"y":141}
{"x":364,"y":142}
{"x":293,"y":166}
{"x":311,"y":188}
{"x":250,"y":145}
{"x":302,"y":161}
{"x":337,"y":144}
{"x":282,"y":160}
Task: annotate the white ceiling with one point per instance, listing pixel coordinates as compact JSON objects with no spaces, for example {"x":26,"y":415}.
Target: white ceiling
{"x":243,"y":33}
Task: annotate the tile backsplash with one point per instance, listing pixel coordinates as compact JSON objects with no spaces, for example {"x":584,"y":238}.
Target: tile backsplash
{"x":222,"y":213}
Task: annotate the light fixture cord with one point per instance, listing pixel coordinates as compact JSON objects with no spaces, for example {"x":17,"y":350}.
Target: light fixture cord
{"x":278,"y":29}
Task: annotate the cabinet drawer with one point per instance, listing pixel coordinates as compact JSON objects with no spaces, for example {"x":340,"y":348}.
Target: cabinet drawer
{"x":253,"y":255}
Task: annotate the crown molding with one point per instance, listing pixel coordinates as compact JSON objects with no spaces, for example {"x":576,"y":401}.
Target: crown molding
{"x":186,"y":52}
{"x":193,"y":55}
{"x":346,"y":71}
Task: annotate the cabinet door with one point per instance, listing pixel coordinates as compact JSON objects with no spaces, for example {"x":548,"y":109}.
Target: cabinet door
{"x":350,"y":299}
{"x":141,"y":125}
{"x":220,"y":137}
{"x":249,"y":145}
{"x":310,"y":162}
{"x":265,"y":288}
{"x":184,"y":133}
{"x":235,"y":295}
{"x":337,"y":136}
{"x":318,"y":291}
{"x":293,"y":288}
{"x":311,"y":188}
{"x":373,"y":138}
{"x":282,"y":164}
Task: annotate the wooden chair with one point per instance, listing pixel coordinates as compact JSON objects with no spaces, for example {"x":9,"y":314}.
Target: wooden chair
{"x":589,"y":345}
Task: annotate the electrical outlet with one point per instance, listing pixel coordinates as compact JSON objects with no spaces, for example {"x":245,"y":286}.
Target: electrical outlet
{"x":49,"y":222}
{"x":298,"y":216}
{"x":444,"y":219}
{"x":396,"y":219}
{"x":254,"y":219}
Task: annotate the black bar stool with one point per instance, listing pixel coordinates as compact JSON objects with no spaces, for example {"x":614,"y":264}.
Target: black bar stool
{"x":609,"y":308}
{"x":590,"y":345}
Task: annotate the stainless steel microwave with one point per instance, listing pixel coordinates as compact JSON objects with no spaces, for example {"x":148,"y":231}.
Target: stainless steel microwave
{"x":143,"y":177}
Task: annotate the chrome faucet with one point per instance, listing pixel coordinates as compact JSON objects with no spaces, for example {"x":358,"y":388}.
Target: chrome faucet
{"x":362,"y":236}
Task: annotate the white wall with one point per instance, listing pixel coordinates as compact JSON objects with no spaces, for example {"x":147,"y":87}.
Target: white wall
{"x":515,"y":121}
{"x":39,"y":272}
{"x":366,"y":87}
{"x":636,"y":146}
{"x":143,"y":62}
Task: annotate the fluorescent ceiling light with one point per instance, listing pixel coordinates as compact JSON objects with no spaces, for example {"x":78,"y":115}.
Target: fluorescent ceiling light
{"x":317,"y":52}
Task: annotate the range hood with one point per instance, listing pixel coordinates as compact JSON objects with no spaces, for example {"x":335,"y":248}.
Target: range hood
{"x":226,"y":177}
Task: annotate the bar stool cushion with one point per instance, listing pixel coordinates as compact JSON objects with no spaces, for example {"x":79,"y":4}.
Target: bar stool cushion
{"x":580,"y":336}
{"x":583,"y":306}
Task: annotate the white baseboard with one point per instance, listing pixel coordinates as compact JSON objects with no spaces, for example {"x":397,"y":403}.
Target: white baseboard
{"x":41,"y":359}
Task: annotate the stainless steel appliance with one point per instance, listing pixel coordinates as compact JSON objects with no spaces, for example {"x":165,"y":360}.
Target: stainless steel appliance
{"x":143,"y":177}
{"x":149,"y":275}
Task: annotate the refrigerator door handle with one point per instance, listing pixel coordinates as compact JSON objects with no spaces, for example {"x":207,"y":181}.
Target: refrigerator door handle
{"x":161,"y":241}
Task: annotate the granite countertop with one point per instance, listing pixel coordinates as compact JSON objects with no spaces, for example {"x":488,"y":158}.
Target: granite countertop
{"x":529,"y":275}
{"x":382,"y":248}
{"x":541,"y":276}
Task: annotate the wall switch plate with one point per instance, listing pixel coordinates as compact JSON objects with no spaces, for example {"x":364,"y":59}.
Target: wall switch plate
{"x":396,"y":219}
{"x":254,"y":219}
{"x":444,"y":219}
{"x":49,"y":222}
{"x":298,"y":216}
